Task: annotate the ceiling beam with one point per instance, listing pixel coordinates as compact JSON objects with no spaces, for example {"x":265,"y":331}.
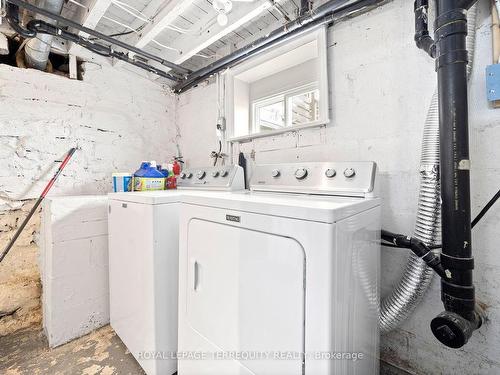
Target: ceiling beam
{"x":90,"y":19}
{"x":96,"y":11}
{"x":165,"y":17}
{"x":190,"y":45}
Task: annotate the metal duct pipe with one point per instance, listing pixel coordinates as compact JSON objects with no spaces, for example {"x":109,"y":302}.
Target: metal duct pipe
{"x":37,"y":49}
{"x":333,"y":10}
{"x":401,"y":303}
{"x":177,"y":70}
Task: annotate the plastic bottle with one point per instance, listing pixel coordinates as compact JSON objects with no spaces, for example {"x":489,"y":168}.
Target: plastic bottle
{"x":176,"y":168}
{"x":148,"y":177}
{"x":165,"y":173}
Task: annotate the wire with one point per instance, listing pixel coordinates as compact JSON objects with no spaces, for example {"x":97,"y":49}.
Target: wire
{"x":131,"y":10}
{"x":474,"y":222}
{"x":121,"y":24}
{"x":433,"y":247}
{"x":164,"y":46}
{"x":217,"y":155}
{"x":78,"y":4}
{"x":490,"y":203}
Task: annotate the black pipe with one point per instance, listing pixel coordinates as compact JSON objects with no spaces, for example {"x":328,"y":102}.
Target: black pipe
{"x":13,"y":20}
{"x":39,"y":26}
{"x":422,"y":38}
{"x":332,"y":11}
{"x":454,"y":326}
{"x":418,"y":247}
{"x":177,"y":69}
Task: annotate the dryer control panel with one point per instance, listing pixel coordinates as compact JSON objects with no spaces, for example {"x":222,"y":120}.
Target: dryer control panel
{"x":229,"y":177}
{"x":328,"y":178}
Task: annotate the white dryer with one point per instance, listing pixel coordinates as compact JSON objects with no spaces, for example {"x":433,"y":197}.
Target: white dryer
{"x":282,"y":280}
{"x":143,"y":264}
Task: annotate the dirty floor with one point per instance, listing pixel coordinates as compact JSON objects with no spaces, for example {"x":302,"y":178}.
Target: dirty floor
{"x":99,"y":353}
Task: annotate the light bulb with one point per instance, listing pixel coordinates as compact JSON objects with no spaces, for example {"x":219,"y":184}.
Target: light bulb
{"x":222,"y":19}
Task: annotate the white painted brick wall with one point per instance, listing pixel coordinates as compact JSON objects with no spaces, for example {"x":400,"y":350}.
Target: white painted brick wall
{"x":381,"y":86}
{"x":116,"y":118}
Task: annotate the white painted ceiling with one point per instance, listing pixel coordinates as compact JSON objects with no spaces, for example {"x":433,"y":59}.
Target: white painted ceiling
{"x":185,"y":32}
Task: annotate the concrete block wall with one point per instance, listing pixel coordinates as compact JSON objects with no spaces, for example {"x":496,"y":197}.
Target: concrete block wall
{"x":117,"y":119}
{"x":380,"y":89}
{"x":74,"y":266}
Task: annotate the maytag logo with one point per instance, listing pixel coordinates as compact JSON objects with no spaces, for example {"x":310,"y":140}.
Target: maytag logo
{"x":236,"y":219}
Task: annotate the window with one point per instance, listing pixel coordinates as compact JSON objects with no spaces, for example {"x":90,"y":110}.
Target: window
{"x":282,"y":89}
{"x":303,"y":108}
{"x":295,"y":107}
{"x":269,"y":114}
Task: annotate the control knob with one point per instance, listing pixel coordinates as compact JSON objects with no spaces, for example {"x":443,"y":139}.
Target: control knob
{"x":224,"y":173}
{"x":349,"y":172}
{"x":189,"y":175}
{"x":330,"y":173}
{"x":301,"y":173}
{"x":183,"y":176}
{"x":200,"y":175}
{"x":215,"y":174}
{"x":275,"y":173}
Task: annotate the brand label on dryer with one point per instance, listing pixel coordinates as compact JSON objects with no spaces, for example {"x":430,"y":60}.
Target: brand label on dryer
{"x":236,"y":219}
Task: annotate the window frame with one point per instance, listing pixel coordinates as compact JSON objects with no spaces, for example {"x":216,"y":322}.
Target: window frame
{"x":322,"y":84}
{"x":285,"y":97}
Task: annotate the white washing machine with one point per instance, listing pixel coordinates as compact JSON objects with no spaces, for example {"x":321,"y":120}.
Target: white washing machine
{"x":143,"y":264}
{"x":282,"y":280}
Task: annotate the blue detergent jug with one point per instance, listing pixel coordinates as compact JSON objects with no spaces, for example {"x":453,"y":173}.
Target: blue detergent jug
{"x":148,"y":177}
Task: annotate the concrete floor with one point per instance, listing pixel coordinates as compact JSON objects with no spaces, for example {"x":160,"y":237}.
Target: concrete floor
{"x":99,"y":353}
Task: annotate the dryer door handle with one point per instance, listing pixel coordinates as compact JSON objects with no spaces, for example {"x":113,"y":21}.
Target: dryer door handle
{"x":196,"y":275}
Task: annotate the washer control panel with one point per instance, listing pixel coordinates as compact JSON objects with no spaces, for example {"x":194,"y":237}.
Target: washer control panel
{"x":335,"y":178}
{"x":228,"y":177}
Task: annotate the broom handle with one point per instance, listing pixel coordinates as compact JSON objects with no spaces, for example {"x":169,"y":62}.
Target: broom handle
{"x":37,"y":204}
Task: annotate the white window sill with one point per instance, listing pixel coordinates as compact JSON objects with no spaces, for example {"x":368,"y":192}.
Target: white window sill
{"x":295,"y":128}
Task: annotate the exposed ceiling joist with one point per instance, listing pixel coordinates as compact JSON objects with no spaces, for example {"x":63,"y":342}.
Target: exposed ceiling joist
{"x":242,"y":13}
{"x":91,"y":18}
{"x":96,"y":11}
{"x":189,"y":46}
{"x":163,"y":19}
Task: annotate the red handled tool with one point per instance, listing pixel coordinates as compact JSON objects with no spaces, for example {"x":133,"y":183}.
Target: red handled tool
{"x":40,"y":199}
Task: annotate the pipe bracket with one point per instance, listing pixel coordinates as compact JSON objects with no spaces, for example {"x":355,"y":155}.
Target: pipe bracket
{"x":453,"y":57}
{"x":449,"y":261}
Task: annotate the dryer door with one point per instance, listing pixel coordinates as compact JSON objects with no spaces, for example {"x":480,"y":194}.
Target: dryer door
{"x":246,"y":296}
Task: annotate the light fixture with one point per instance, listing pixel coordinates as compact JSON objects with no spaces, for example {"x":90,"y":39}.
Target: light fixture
{"x":222,"y":7}
{"x":222,"y":19}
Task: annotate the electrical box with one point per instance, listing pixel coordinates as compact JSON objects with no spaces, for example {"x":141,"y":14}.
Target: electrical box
{"x":493,"y":82}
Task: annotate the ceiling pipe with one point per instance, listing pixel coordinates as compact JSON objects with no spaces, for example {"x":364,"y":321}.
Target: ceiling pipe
{"x":37,"y":50}
{"x":176,"y":69}
{"x":330,"y":12}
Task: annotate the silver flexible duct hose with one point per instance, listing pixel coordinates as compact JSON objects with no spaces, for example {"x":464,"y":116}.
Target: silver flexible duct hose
{"x":37,"y":49}
{"x":399,"y":305}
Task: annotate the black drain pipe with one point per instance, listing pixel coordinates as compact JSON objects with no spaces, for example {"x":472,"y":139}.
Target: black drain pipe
{"x":461,"y":317}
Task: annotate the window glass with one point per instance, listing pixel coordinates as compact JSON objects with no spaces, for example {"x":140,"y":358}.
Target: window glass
{"x":270,"y":116}
{"x":304,"y":107}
